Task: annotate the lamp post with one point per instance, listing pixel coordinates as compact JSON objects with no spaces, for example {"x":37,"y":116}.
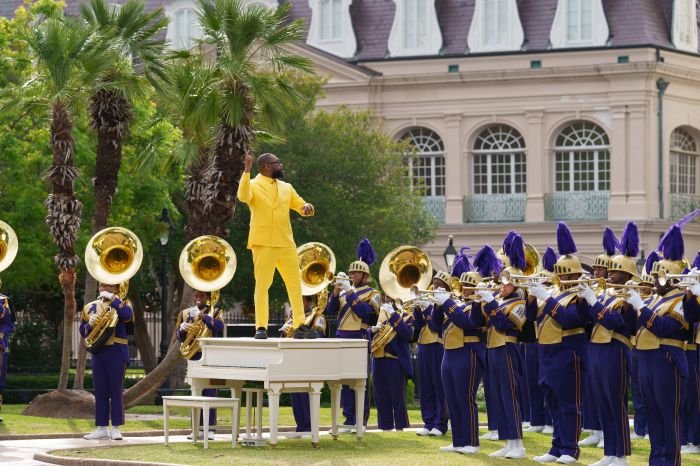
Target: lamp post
{"x":164,"y":237}
{"x":641,"y":262}
{"x":450,"y":253}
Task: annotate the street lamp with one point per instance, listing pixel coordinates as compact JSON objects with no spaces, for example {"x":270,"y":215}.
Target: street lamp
{"x":164,"y":236}
{"x":450,"y":253}
{"x":641,"y":262}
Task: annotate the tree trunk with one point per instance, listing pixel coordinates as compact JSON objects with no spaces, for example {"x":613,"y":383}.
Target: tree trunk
{"x":67,"y":279}
{"x":80,"y":362}
{"x":110,"y":117}
{"x":141,"y":336}
{"x":63,"y":220}
{"x":198,"y":220}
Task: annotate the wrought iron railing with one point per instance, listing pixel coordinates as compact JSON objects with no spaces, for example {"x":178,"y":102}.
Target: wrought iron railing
{"x":436,"y":206}
{"x":494,"y":208}
{"x":576,"y":205}
{"x":682,"y":204}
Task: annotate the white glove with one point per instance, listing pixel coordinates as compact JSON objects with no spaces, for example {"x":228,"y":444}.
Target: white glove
{"x":388,"y":308}
{"x":585,"y":292}
{"x":185,"y":326}
{"x":106,"y":295}
{"x":635,"y":300}
{"x":485,"y":296}
{"x":695,"y":289}
{"x":375,"y":329}
{"x":345,"y":285}
{"x":441,"y":296}
{"x":539,"y":292}
{"x":92,"y":319}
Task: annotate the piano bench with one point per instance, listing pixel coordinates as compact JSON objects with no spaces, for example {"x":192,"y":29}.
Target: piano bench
{"x":204,"y":404}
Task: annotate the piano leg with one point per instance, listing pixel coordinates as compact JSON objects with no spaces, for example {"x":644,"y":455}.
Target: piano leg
{"x":335,"y":406}
{"x":359,"y":387}
{"x":237,"y":392}
{"x":315,"y":411}
{"x":273,"y":398}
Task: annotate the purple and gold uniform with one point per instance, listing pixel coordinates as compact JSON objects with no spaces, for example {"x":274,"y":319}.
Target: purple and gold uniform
{"x":562,"y":346}
{"x":7,"y":326}
{"x":463,"y":366}
{"x":663,"y":372}
{"x":355,"y":310}
{"x":215,"y":323}
{"x":433,"y":407}
{"x":109,"y":363}
{"x":391,"y":366}
{"x":691,"y":431}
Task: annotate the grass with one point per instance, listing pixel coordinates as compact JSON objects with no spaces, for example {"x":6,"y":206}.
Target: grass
{"x":388,"y":448}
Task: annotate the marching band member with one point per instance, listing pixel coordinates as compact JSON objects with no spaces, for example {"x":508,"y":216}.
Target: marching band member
{"x":271,"y":240}
{"x":663,"y":368}
{"x":108,"y":363}
{"x":391,"y":366}
{"x":300,"y":401}
{"x":609,"y":349}
{"x":640,"y":412}
{"x":592,"y":415}
{"x":7,"y":326}
{"x":690,"y":433}
{"x":433,"y":407}
{"x":464,"y":359}
{"x":214,"y":321}
{"x":562,"y":343}
{"x":505,"y":317}
{"x":540,"y":417}
{"x":357,"y":306}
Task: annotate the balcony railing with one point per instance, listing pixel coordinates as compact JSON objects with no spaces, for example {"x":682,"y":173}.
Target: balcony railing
{"x":436,"y":206}
{"x":582,"y":205}
{"x":682,"y":204}
{"x":494,"y":208}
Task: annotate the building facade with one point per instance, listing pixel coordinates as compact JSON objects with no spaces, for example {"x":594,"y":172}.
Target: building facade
{"x":522,"y":112}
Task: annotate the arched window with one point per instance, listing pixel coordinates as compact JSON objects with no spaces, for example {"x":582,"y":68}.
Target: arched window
{"x":582,"y":158}
{"x":187,"y":28}
{"x":684,"y":156}
{"x":499,"y":161}
{"x":427,"y":167}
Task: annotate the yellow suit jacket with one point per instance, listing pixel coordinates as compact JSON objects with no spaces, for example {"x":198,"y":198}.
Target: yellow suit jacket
{"x":270,"y":201}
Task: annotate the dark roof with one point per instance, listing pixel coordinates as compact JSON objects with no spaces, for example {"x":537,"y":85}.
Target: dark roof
{"x":631,"y":22}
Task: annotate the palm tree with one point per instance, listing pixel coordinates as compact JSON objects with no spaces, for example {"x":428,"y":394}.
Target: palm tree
{"x":66,"y":57}
{"x":135,"y":40}
{"x":245,"y":88}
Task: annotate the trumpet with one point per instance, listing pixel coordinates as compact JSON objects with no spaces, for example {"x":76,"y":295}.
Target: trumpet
{"x":622,"y":291}
{"x":524,"y":281}
{"x":685,"y":280}
{"x":597,"y":283}
{"x":474,"y":297}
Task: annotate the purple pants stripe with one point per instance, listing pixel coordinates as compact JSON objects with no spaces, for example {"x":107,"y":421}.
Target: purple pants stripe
{"x":301,"y":411}
{"x":433,"y":407}
{"x":108,"y":369}
{"x":389,"y":385}
{"x":505,"y":373}
{"x":461,"y":372}
{"x":539,"y":413}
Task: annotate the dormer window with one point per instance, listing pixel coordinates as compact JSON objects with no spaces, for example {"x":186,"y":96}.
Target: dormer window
{"x":187,"y":29}
{"x":495,"y":27}
{"x":579,"y":23}
{"x":331,"y":19}
{"x":331,"y":27}
{"x":415,"y":30}
{"x":685,"y":25}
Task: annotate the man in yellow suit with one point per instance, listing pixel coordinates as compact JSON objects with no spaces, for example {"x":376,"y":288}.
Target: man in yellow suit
{"x":271,"y":240}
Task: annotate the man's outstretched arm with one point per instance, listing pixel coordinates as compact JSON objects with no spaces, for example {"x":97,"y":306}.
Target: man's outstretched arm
{"x":245,"y":191}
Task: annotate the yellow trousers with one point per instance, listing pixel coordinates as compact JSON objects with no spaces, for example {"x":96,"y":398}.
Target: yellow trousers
{"x":265,"y":260}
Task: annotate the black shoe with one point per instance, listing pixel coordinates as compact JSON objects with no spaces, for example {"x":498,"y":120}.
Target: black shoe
{"x":261,"y":333}
{"x":304,"y":332}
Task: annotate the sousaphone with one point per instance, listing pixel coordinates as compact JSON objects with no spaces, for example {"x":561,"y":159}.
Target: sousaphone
{"x":317,"y":267}
{"x":8,"y":246}
{"x":112,"y":256}
{"x":402,"y":268}
{"x":207,"y":263}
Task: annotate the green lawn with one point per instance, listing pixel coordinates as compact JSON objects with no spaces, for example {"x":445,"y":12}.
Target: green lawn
{"x":399,"y":448}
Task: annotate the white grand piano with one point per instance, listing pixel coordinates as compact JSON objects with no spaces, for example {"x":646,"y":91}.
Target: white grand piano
{"x":285,"y":364}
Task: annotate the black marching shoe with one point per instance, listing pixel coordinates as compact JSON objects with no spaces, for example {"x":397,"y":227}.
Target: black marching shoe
{"x":261,"y":333}
{"x":304,"y":332}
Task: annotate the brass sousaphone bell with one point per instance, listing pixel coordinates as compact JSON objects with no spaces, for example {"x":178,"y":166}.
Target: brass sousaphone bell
{"x":112,"y":256}
{"x":317,"y":267}
{"x":8,"y":245}
{"x":404,"y":267}
{"x":207,"y":263}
